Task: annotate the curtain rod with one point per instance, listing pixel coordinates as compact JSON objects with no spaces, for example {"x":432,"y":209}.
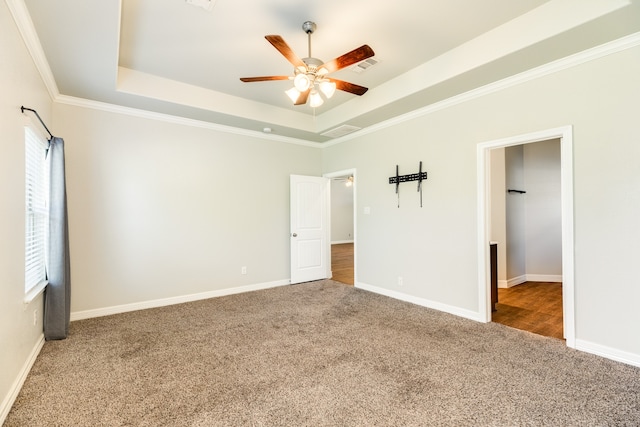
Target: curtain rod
{"x":37,"y":115}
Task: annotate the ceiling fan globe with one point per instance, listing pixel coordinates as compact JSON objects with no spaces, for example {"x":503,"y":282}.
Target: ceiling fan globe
{"x":293,"y":94}
{"x":328,"y":88}
{"x":315,"y":100}
{"x":302,"y":82}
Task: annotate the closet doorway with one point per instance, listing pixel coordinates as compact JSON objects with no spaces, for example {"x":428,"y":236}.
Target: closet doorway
{"x":526,"y":280}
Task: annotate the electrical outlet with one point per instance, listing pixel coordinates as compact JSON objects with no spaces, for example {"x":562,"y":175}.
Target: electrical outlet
{"x":35,"y":317}
{"x":400,"y":281}
{"x":243,"y":270}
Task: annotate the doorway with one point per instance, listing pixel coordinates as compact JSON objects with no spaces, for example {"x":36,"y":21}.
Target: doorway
{"x":564,"y":134}
{"x":526,"y":224}
{"x":343,"y":225}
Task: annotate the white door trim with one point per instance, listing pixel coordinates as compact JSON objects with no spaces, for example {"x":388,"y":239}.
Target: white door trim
{"x":565,"y":134}
{"x":347,"y":172}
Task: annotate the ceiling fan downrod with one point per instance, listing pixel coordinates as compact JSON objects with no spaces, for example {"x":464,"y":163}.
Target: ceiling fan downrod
{"x":309,"y":27}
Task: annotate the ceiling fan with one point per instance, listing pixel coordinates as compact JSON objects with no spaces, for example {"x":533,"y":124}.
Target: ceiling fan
{"x":310,"y":74}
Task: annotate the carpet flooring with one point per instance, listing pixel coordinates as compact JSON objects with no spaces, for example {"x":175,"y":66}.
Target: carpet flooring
{"x":317,"y":354}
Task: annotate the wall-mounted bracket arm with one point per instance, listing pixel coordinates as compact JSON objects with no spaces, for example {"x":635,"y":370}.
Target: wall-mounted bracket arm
{"x":420,"y":176}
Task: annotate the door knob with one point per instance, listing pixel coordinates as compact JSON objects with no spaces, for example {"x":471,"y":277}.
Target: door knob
{"x":295,"y":234}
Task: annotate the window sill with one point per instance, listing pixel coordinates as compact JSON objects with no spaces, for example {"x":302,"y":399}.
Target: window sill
{"x":35,"y":291}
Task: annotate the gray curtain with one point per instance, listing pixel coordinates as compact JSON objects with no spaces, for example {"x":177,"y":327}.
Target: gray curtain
{"x":57,"y":296}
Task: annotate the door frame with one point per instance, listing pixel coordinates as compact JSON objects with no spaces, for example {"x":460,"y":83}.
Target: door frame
{"x":336,"y":174}
{"x":565,"y":134}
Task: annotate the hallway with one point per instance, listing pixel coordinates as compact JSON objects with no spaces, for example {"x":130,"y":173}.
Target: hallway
{"x":342,"y":263}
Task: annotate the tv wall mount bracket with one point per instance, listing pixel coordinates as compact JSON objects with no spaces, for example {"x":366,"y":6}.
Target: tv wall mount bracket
{"x":420,"y":176}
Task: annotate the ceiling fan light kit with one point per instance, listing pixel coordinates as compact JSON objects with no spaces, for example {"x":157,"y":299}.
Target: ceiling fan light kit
{"x":310,"y":74}
{"x":293,"y":94}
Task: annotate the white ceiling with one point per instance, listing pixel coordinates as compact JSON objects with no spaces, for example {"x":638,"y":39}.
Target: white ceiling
{"x":170,"y":57}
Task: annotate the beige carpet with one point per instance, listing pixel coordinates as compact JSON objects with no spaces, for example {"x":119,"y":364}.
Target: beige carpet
{"x":317,"y":354}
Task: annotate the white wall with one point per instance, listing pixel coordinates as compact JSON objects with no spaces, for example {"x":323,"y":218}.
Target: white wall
{"x":434,"y":248}
{"x":516,"y":216}
{"x":341,"y":212}
{"x":160,"y":210}
{"x":498,"y":211}
{"x":543,"y":211}
{"x":21,"y":85}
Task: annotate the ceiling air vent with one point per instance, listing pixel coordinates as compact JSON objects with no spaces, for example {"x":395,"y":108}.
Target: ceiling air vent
{"x":363,"y":65}
{"x":340,"y":131}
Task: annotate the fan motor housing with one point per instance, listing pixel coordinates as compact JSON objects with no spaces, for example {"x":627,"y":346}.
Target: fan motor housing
{"x":312,"y":63}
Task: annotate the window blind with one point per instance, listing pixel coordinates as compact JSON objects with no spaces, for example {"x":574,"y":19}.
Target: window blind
{"x":37,"y":212}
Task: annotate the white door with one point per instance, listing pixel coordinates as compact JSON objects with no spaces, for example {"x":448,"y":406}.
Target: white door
{"x":309,"y":228}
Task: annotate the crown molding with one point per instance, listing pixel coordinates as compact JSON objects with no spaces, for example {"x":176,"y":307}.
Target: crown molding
{"x":571,"y":61}
{"x":574,"y":60}
{"x":168,"y":118}
{"x":24,"y":23}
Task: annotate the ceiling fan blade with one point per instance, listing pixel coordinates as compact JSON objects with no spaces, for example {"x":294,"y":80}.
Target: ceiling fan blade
{"x":282,"y":46}
{"x":302,"y":99}
{"x":349,"y":58}
{"x":263,"y":78}
{"x":349,"y":87}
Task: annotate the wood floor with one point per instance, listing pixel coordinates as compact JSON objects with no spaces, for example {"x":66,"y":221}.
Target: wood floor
{"x":532,"y":306}
{"x":342,"y":263}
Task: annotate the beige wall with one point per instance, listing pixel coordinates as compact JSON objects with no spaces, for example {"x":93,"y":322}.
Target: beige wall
{"x":21,"y":85}
{"x":341,"y":212}
{"x":160,"y":210}
{"x":498,"y":228}
{"x":543,"y":210}
{"x":434,"y":248}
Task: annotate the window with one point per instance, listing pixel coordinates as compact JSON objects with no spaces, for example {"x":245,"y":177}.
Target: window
{"x":37,"y":211}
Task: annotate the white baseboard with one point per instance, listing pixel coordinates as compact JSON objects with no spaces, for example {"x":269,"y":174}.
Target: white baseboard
{"x":514,"y":281}
{"x":557,"y":278}
{"x":608,"y":352}
{"x":107,"y":311}
{"x":457,"y":311}
{"x":581,"y":345}
{"x":340,"y":242}
{"x":8,"y":401}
